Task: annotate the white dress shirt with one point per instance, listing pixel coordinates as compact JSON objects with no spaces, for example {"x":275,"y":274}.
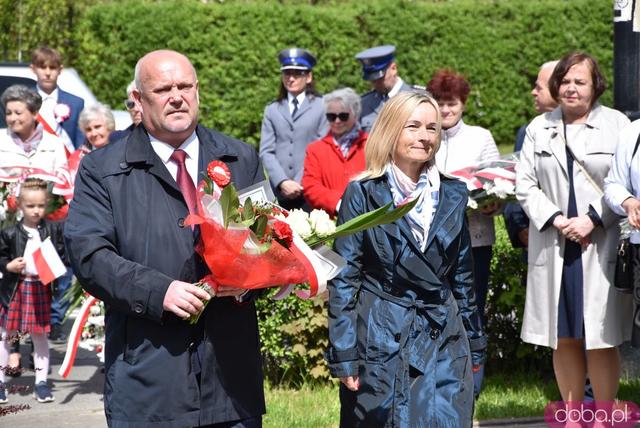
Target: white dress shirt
{"x":300,"y":97}
{"x":49,"y":102}
{"x":396,"y":88}
{"x":191,"y":146}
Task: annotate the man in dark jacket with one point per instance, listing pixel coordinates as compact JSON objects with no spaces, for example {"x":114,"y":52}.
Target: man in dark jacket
{"x":129,"y":247}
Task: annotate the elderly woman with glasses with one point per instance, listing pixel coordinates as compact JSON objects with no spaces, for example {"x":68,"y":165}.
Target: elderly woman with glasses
{"x":339,"y":156}
{"x":290,"y":123}
{"x":27,"y":144}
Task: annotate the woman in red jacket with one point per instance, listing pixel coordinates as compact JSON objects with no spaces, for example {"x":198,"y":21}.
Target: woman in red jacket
{"x":331,"y":162}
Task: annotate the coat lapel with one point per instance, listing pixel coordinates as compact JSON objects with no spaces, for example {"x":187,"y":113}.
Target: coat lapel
{"x":212,"y":149}
{"x":306,"y":105}
{"x":443,"y":219}
{"x":283,"y":109}
{"x":557,"y":138}
{"x":139,"y":151}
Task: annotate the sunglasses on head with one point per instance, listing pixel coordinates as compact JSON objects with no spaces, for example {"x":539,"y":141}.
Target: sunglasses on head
{"x":331,"y":117}
{"x":129,"y":104}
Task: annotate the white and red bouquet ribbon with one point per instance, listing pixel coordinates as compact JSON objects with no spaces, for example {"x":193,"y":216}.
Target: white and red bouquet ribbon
{"x":475,"y":177}
{"x":75,"y":336}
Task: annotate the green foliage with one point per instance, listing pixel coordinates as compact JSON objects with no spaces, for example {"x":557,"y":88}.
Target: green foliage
{"x":505,"y":307}
{"x":498,"y":45}
{"x":294,"y":335}
{"x":27,"y":24}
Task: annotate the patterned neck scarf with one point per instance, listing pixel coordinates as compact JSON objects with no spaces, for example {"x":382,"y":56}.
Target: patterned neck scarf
{"x":427,"y":190}
{"x":31,"y":143}
{"x":344,"y":142}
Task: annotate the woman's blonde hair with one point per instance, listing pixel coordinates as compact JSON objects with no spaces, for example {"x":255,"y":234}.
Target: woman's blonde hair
{"x":33,"y":184}
{"x":387,"y":128}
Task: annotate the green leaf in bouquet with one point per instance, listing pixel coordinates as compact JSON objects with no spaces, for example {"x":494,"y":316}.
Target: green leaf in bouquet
{"x":247,"y":211}
{"x":260,"y":226}
{"x":208,"y":186}
{"x":365,"y":221}
{"x":229,"y":203}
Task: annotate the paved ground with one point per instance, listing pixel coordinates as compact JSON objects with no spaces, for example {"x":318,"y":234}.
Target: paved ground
{"x":78,"y":398}
{"x":78,"y":402}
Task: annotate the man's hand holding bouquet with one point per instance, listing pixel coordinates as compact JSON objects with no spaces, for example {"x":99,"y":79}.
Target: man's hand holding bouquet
{"x":250,"y":243}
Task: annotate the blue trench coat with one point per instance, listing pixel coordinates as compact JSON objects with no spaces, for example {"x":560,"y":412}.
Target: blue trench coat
{"x":403,"y":320}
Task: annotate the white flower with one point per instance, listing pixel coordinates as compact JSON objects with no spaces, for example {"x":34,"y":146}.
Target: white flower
{"x":299,"y":222}
{"x":95,"y":310}
{"x":471,"y":203}
{"x":3,"y":212}
{"x":502,"y":188}
{"x":322,"y":223}
{"x":98,"y":321}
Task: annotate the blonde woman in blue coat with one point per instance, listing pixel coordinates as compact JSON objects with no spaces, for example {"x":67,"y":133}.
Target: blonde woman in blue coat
{"x":290,"y":123}
{"x":404,"y":328}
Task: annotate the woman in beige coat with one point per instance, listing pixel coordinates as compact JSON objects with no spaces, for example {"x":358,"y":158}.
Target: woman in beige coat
{"x":570,"y":304}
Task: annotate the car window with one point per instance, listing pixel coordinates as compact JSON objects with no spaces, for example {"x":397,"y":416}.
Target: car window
{"x":5,"y":82}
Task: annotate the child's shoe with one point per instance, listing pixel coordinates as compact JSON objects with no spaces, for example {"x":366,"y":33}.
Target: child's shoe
{"x":42,"y":393}
{"x":3,"y":394}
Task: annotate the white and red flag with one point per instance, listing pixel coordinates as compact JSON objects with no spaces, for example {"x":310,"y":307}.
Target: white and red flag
{"x":48,"y":263}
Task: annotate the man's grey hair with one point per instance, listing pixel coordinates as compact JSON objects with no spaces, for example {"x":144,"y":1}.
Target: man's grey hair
{"x":347,"y":97}
{"x":97,"y":112}
{"x":22,"y":93}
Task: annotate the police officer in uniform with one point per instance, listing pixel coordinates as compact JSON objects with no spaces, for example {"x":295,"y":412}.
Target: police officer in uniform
{"x":380,"y":68}
{"x":295,"y":119}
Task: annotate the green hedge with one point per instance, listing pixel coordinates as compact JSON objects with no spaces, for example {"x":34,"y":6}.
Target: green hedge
{"x":497,"y":44}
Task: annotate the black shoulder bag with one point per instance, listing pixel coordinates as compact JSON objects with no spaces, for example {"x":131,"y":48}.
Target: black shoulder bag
{"x":623,"y":280}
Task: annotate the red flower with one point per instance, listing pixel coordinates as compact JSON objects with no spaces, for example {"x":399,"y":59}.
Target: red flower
{"x":219,"y":172}
{"x":283,"y":233}
{"x":12,"y":203}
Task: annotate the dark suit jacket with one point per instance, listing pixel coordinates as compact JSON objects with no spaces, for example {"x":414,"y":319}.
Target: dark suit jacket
{"x":126,"y":244}
{"x":515,"y":218}
{"x":71,"y":127}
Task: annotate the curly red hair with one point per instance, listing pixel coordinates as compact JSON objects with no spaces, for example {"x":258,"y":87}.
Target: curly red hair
{"x":446,"y":84}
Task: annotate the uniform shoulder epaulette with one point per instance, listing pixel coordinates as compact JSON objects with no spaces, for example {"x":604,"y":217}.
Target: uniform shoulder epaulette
{"x":420,"y":89}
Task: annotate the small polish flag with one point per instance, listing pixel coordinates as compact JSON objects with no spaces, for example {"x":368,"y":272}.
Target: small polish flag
{"x":48,"y":262}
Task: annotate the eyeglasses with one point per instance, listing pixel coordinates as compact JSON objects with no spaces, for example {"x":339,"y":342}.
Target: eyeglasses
{"x":294,"y":73}
{"x":331,"y":117}
{"x":129,"y":104}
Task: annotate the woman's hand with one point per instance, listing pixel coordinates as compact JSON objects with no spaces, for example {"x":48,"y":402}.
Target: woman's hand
{"x":16,"y":265}
{"x":290,"y":189}
{"x":632,"y":207}
{"x":560,"y":222}
{"x":351,"y":382}
{"x":578,"y":228}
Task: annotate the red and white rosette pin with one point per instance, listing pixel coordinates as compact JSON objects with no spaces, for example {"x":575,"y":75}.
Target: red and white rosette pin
{"x":61,"y":112}
{"x":219,"y":173}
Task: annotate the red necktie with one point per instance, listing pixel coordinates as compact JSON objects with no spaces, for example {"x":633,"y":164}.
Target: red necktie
{"x":185,"y":183}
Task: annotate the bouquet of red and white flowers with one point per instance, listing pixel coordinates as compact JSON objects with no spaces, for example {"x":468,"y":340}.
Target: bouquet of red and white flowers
{"x":489,"y":181}
{"x":249,"y":242}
